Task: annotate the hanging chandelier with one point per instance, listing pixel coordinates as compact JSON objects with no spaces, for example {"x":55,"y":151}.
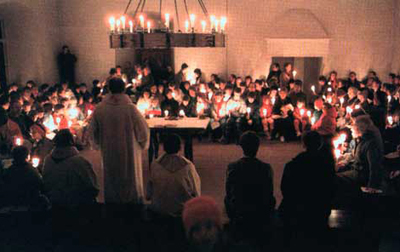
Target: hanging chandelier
{"x":141,"y":33}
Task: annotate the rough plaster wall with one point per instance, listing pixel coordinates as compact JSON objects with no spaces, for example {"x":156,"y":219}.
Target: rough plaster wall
{"x":32,"y":39}
{"x":396,"y":38}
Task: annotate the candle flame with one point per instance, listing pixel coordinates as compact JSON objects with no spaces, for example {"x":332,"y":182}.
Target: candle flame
{"x":35,"y":162}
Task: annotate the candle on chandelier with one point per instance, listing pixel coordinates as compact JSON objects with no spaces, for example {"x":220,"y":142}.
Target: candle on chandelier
{"x":212,"y":22}
{"x":130,"y":26}
{"x":167,"y":20}
{"x":118,"y":25}
{"x":186,"y":26}
{"x":203,"y":26}
{"x":148,"y":26}
{"x":192,"y":20}
{"x":141,"y":19}
{"x":35,"y":162}
{"x":112,"y":24}
{"x":216,"y":25}
{"x":123,"y":19}
{"x":223,"y":24}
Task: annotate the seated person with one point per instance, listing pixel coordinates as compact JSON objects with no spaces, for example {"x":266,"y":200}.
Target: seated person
{"x":218,"y":115}
{"x":301,"y":119}
{"x":236,"y":108}
{"x":266,"y":116}
{"x":169,"y":104}
{"x":68,"y":177}
{"x":326,"y":125}
{"x":173,"y":180}
{"x":154,"y":108}
{"x":21,"y":184}
{"x":188,"y":109}
{"x":283,"y":117}
{"x":251,"y":120}
{"x":144,"y":101}
{"x":249,"y":199}
{"x":366,"y":168}
{"x":308,"y":186}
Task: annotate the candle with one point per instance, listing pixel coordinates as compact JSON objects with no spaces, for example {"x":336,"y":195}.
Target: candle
{"x":89,"y":112}
{"x":223,"y":23}
{"x":273,"y":100}
{"x":357,"y":106}
{"x":248,"y":111}
{"x":139,"y":77}
{"x":312,"y":120}
{"x":166,"y":113}
{"x":343,"y":138}
{"x":329,"y":83}
{"x":302,"y":111}
{"x":265,"y":112}
{"x":210,"y":94}
{"x":349,"y":110}
{"x":390,"y":120}
{"x":148,"y":27}
{"x":313,"y":88}
{"x":151,"y":116}
{"x":182,"y":113}
{"x":337,"y":153}
{"x":203,"y":26}
{"x":167,"y":20}
{"x":212,"y":22}
{"x":123,"y":19}
{"x":309,"y":113}
{"x":329,"y":99}
{"x":118,"y":25}
{"x":130,"y":26}
{"x":58,"y":120}
{"x":18,"y":141}
{"x":186,"y":26}
{"x":141,"y":19}
{"x":69,"y":124}
{"x":324,"y":97}
{"x":329,"y":89}
{"x":192,"y":20}
{"x":73,"y":113}
{"x":221,"y":113}
{"x":389,"y":98}
{"x":216,"y":25}
{"x":341,"y":101}
{"x":294,"y":73}
{"x":173,"y":94}
{"x":112,"y":24}
{"x":35,"y":162}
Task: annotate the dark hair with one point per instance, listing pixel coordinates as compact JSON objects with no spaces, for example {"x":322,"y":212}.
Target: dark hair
{"x":118,"y":66}
{"x":4,"y":100}
{"x":276,"y":65}
{"x":298,"y":83}
{"x":322,"y":78}
{"x":172,"y":144}
{"x":20,"y":154}
{"x":58,"y":107}
{"x":64,"y":138}
{"x":116,"y":85}
{"x":287,"y":64}
{"x":184,"y":66}
{"x":95,"y":82}
{"x":113,"y":71}
{"x":82,"y":85}
{"x":197,"y":71}
{"x":312,"y":140}
{"x":186,"y":98}
{"x":237,"y":90}
{"x":250,"y":142}
{"x":251,"y":95}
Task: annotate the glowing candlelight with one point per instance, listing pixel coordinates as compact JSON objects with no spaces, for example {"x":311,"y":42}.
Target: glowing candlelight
{"x":199,"y":108}
{"x":192,"y":20}
{"x":329,"y":83}
{"x":212,"y":22}
{"x":210,"y":94}
{"x":73,"y":113}
{"x":313,"y":88}
{"x":35,"y":162}
{"x":89,"y":112}
{"x":203,"y":26}
{"x":324,"y":97}
{"x":294,"y":73}
{"x":265,"y":112}
{"x":151,"y":116}
{"x":173,"y":94}
{"x":357,"y":106}
{"x":221,"y":112}
{"x":216,"y":25}
{"x":118,"y":25}
{"x":139,"y":77}
{"x":390,"y":120}
{"x":112,"y":24}
{"x":329,"y":89}
{"x":341,"y":101}
{"x":182,"y":113}
{"x":186,"y":26}
{"x":329,"y":99}
{"x":166,"y":113}
{"x":167,"y":20}
{"x":302,"y":111}
{"x":58,"y":120}
{"x":248,"y":111}
{"x":273,"y":100}
{"x":349,"y":110}
{"x":69,"y":124}
{"x":312,"y":120}
{"x":223,"y":24}
{"x":18,"y":141}
{"x":130,"y":26}
{"x":141,"y":20}
{"x":309,"y":113}
{"x":123,"y":19}
{"x":148,"y":26}
{"x":343,"y":137}
{"x":337,"y":153}
{"x":389,"y":98}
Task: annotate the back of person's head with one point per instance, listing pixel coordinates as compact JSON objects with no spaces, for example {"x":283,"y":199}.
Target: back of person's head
{"x":113,"y":71}
{"x":20,"y":154}
{"x":172,"y":144}
{"x":116,"y":86}
{"x":363,"y":123}
{"x":184,"y":66}
{"x":64,"y":138}
{"x":311,"y":140}
{"x":202,"y":220}
{"x":250,"y":142}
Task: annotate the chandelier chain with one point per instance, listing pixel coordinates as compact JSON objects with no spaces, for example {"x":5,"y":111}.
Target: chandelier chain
{"x":177,"y":15}
{"x":127,"y":7}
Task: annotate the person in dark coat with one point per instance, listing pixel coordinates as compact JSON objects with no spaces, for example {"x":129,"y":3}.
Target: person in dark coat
{"x":274,"y":73}
{"x":249,"y":199}
{"x":66,"y":65}
{"x":170,"y":104}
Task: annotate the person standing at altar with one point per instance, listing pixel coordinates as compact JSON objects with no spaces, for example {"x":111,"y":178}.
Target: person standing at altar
{"x":122,"y":134}
{"x":66,"y":65}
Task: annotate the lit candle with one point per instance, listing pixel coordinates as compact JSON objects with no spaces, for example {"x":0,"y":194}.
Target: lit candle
{"x":357,"y":106}
{"x":112,"y":24}
{"x":73,"y":113}
{"x":203,"y":26}
{"x":223,"y":24}
{"x":173,"y":95}
{"x":89,"y":112}
{"x":313,"y":88}
{"x":390,"y":120}
{"x":148,"y":27}
{"x":312,"y":120}
{"x":341,"y":101}
{"x":349,"y":110}
{"x":118,"y":25}
{"x":210,"y":94}
{"x":69,"y":124}
{"x":302,"y":111}
{"x":265,"y":112}
{"x":130,"y":26}
{"x":139,"y":77}
{"x":58,"y":120}
{"x":141,"y":19}
{"x":389,"y":98}
{"x":151,"y":116}
{"x":329,"y":99}
{"x":221,"y":112}
{"x":182,"y":113}
{"x":18,"y":141}
{"x":212,"y":22}
{"x":343,"y":138}
{"x":166,"y":113}
{"x":192,"y":20}
{"x":123,"y":19}
{"x":309,"y":113}
{"x":329,"y":89}
{"x":167,"y":20}
{"x":329,"y":83}
{"x":35,"y":162}
{"x":294,"y":73}
{"x":273,"y":100}
{"x":248,"y":111}
{"x":216,"y":25}
{"x":186,"y":26}
{"x":337,"y":153}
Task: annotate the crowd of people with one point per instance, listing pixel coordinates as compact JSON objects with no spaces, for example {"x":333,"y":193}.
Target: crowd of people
{"x":346,"y":127}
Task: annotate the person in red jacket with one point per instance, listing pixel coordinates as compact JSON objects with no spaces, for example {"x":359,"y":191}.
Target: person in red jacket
{"x":266,"y":116}
{"x":326,"y":125}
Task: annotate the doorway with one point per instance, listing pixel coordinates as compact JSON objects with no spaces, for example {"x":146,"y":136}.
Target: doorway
{"x":308,"y":69}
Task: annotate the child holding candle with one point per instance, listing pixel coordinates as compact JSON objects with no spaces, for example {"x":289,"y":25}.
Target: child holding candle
{"x":266,"y":116}
{"x":301,"y":119}
{"x":219,"y":115}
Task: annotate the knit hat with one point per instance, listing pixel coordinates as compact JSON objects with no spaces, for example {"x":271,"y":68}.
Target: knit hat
{"x":201,"y":209}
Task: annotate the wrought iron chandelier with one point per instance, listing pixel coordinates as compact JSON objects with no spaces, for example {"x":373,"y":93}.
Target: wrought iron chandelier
{"x":139,"y":33}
